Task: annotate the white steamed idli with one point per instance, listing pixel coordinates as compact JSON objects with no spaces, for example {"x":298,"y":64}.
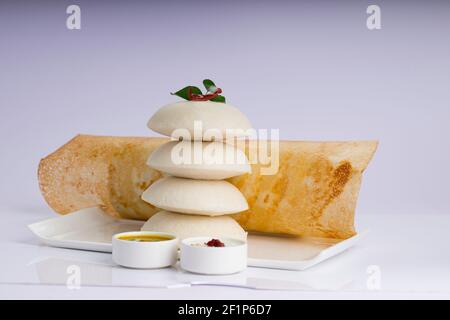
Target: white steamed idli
{"x":199,"y":160}
{"x":186,"y":226}
{"x":203,"y":197}
{"x":177,"y":120}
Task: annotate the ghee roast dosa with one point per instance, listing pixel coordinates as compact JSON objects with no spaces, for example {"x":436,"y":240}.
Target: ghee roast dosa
{"x":314,"y":192}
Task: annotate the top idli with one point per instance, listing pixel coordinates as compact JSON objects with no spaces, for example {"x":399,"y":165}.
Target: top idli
{"x":200,"y":120}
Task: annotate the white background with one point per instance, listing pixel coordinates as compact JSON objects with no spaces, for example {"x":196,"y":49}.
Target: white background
{"x":310,"y":68}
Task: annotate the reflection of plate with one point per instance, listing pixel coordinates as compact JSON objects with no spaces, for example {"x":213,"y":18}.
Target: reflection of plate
{"x":67,"y":272}
{"x":64,"y":272}
{"x":91,"y":229}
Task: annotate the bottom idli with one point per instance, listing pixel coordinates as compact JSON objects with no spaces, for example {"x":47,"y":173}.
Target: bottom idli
{"x":186,"y":226}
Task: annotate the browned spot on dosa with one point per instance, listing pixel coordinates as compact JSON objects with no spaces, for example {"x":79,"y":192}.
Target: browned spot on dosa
{"x":340,"y":177}
{"x":313,"y":193}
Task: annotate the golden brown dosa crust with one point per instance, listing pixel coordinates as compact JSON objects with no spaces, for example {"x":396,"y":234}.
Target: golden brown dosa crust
{"x":314,"y":192}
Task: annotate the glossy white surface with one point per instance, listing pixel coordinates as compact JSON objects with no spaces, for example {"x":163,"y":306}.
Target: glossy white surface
{"x":92,"y":229}
{"x":404,"y":256}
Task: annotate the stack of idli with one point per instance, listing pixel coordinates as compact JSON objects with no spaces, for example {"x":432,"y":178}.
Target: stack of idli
{"x":194,"y":197}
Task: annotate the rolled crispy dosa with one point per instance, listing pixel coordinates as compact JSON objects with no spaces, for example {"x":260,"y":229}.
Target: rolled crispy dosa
{"x":314,"y":192}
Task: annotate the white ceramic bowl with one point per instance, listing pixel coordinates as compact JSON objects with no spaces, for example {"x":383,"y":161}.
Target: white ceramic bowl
{"x":144,"y":255}
{"x":213,"y":260}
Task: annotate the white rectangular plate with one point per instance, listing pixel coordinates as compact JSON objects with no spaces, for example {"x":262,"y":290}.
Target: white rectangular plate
{"x":92,"y":229}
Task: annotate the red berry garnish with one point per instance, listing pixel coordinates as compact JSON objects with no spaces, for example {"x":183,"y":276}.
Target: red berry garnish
{"x":215,"y":243}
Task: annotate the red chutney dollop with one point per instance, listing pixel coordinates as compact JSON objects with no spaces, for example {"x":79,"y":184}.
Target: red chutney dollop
{"x":215,"y":243}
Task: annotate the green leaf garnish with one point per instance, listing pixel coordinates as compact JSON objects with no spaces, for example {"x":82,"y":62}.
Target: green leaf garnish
{"x":209,"y":85}
{"x":219,"y":98}
{"x":192,"y":93}
{"x":184,"y":93}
